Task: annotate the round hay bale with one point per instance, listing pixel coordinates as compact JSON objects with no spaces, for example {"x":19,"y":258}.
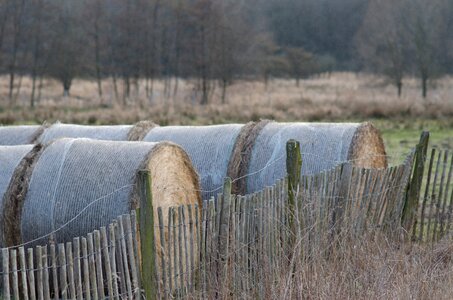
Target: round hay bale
{"x":79,"y":185}
{"x":240,"y":158}
{"x":20,"y":135}
{"x":140,"y":130}
{"x":10,"y":158}
{"x":323,"y":146}
{"x":209,"y":148}
{"x":102,"y":132}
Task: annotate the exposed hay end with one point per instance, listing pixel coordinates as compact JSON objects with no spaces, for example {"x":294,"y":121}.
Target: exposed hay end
{"x":15,"y":196}
{"x":35,"y":137}
{"x":238,"y":165}
{"x":367,"y":148}
{"x":140,"y":130}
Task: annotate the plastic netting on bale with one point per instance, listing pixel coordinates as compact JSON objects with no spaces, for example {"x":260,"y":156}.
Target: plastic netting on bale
{"x":209,"y":148}
{"x":323,"y":146}
{"x":19,"y":135}
{"x":79,"y":185}
{"x":73,"y":175}
{"x":10,"y":157}
{"x":109,"y":133}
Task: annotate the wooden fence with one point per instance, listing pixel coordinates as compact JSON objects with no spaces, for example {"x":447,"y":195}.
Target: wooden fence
{"x":243,"y":238}
{"x":231,"y":244}
{"x":102,"y":265}
{"x":435,"y":204}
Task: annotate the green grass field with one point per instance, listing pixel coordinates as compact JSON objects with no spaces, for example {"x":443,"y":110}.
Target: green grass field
{"x":402,"y":136}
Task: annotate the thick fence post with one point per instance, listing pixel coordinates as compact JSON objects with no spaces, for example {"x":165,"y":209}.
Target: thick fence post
{"x":147,"y":245}
{"x":409,"y":215}
{"x":293,"y":170}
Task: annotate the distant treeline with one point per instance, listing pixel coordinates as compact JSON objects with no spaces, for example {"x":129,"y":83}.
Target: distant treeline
{"x":218,"y":41}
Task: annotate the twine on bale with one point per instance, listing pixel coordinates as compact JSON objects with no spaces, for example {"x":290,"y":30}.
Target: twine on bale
{"x":238,"y":165}
{"x":14,"y":196}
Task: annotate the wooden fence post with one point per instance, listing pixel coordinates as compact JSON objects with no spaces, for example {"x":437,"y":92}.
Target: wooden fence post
{"x":224,"y":228}
{"x":293,"y":170}
{"x":147,"y":246}
{"x":5,"y":270}
{"x":409,"y":215}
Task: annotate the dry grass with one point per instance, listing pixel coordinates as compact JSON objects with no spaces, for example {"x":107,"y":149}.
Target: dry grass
{"x":340,"y":96}
{"x":369,"y":268}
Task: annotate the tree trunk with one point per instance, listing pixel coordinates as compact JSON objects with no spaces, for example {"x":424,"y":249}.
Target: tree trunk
{"x":115,"y":87}
{"x":175,"y":89}
{"x":40,"y":88}
{"x":66,"y":87}
{"x":424,"y":85}
{"x":19,"y":86}
{"x":2,"y":30}
{"x":97,"y":54}
{"x":33,"y":88}
{"x":204,"y":91}
{"x":11,"y":84}
{"x":399,"y":86}
{"x":127,"y":89}
{"x":17,"y":28}
{"x":224,"y":88}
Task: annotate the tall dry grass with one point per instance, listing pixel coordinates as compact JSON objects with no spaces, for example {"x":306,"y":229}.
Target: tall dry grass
{"x":339,"y":96}
{"x":372,"y":267}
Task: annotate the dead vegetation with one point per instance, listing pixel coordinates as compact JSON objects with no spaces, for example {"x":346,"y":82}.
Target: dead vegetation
{"x":334,"y":97}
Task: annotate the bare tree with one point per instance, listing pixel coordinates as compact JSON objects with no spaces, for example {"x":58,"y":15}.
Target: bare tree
{"x":66,"y":54}
{"x":426,"y":25}
{"x":300,"y":62}
{"x":382,"y":41}
{"x":17,"y":13}
{"x":4,"y":13}
{"x":37,"y":41}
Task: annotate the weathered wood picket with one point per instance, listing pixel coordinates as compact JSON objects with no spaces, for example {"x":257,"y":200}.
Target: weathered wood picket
{"x":435,"y":206}
{"x":102,"y":265}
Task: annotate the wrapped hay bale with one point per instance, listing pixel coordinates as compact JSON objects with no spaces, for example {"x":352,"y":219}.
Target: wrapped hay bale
{"x":79,"y":185}
{"x":20,"y":135}
{"x":209,"y":148}
{"x":10,"y":158}
{"x":323,"y":146}
{"x":102,"y":132}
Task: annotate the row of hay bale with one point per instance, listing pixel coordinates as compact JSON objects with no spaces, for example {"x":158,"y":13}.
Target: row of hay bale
{"x":253,"y":155}
{"x":70,"y":187}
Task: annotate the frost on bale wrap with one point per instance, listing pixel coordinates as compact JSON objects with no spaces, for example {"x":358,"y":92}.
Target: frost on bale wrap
{"x":108,"y":133}
{"x":10,"y":158}
{"x":79,"y":185}
{"x":209,"y":148}
{"x":323,"y":146}
{"x":20,"y":135}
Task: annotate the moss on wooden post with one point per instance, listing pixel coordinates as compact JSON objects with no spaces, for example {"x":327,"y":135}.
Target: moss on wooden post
{"x":413,"y":191}
{"x":147,"y":245}
{"x":293,"y":170}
